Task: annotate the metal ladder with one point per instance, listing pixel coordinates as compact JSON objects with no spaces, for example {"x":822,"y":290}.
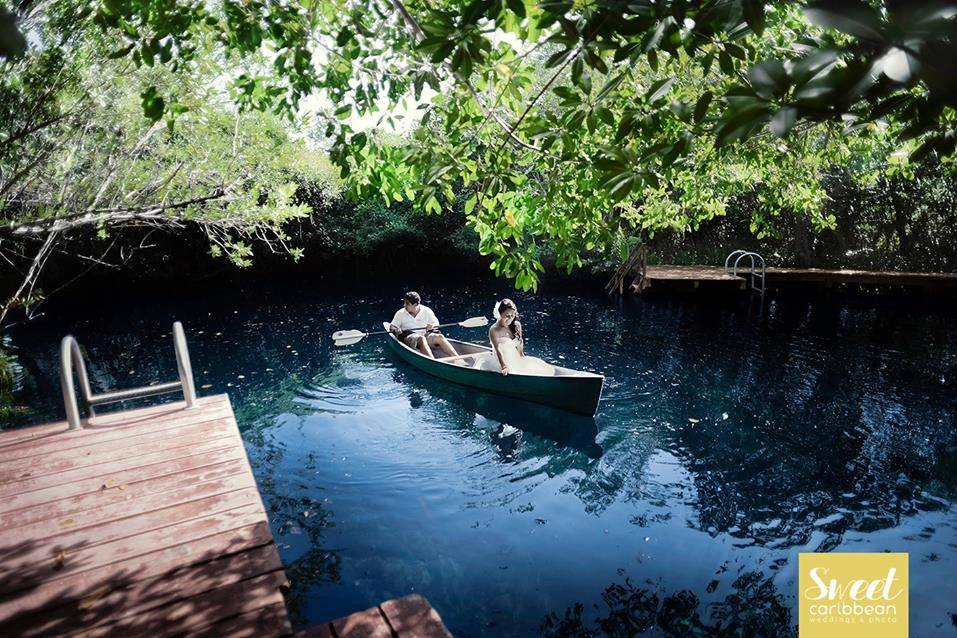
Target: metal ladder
{"x":72,"y":358}
{"x":738,"y":255}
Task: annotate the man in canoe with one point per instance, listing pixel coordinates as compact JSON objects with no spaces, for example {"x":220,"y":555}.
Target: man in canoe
{"x":415,"y":325}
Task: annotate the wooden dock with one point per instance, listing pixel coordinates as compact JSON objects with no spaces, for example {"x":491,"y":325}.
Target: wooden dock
{"x":715,"y":278}
{"x":146,"y":523}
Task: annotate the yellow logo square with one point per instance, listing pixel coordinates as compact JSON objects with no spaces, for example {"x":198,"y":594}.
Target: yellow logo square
{"x":852,"y":595}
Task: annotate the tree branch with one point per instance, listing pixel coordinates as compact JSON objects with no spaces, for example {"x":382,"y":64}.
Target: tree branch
{"x":156,"y":214}
{"x":111,"y":174}
{"x":419,"y":35}
{"x":16,"y":137}
{"x":29,"y":281}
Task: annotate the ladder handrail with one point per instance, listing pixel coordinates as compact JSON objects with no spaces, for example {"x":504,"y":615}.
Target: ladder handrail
{"x":728,"y":260}
{"x":183,"y":365}
{"x":741,"y":254}
{"x":70,"y":357}
{"x":71,"y":360}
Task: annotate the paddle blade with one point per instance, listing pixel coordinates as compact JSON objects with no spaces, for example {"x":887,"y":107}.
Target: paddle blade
{"x":347,"y":337}
{"x":474,"y":322}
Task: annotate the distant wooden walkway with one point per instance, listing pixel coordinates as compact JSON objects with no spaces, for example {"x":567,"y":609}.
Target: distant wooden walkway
{"x":146,"y":522}
{"x":714,"y":277}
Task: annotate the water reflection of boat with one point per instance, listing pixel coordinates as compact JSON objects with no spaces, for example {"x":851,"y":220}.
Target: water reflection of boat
{"x":567,"y":389}
{"x":459,"y":406}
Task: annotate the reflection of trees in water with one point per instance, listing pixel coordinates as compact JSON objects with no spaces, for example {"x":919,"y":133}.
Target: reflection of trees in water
{"x":296,"y":515}
{"x":833,"y":438}
{"x":752,"y":610}
{"x":830,"y":427}
{"x":293,"y":509}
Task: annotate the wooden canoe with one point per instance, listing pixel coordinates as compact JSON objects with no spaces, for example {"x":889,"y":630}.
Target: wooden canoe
{"x":568,"y":389}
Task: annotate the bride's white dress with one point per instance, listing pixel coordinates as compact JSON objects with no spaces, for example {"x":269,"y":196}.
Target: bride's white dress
{"x":517,"y":364}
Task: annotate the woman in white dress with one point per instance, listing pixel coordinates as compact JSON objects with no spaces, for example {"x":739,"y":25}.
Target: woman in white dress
{"x":508,"y":345}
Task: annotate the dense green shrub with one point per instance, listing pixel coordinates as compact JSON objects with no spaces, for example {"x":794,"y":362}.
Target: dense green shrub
{"x":889,"y":224}
{"x":346,"y":230}
{"x":8,"y":382}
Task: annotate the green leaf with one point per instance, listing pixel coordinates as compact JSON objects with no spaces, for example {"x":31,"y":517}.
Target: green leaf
{"x":120,"y":53}
{"x":783,"y":121}
{"x":620,"y":185}
{"x":626,"y":124}
{"x":735,"y":51}
{"x":738,"y":123}
{"x":344,"y":36}
{"x":768,"y":79}
{"x":899,"y":65}
{"x":674,"y":151}
{"x":595,"y":61}
{"x":575,"y":119}
{"x":943,"y":145}
{"x":701,"y":106}
{"x":659,"y":89}
{"x":442,"y":51}
{"x":517,"y":7}
{"x":556,"y":58}
{"x":12,"y":42}
{"x":813,"y":65}
{"x":754,"y":15}
{"x":890,"y":105}
{"x":849,"y":16}
{"x":569,"y":96}
{"x":610,"y":86}
{"x":726,"y":64}
{"x":152,"y":103}
{"x":577,"y":68}
{"x":432,"y":205}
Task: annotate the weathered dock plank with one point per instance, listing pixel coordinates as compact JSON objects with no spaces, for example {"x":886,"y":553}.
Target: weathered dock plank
{"x":408,"y":617}
{"x":146,"y":522}
{"x":413,"y":616}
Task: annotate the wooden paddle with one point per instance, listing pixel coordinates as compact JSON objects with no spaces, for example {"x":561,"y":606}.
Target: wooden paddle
{"x":349,"y":337}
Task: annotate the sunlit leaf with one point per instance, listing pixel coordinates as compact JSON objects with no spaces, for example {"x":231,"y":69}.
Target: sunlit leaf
{"x":899,"y":65}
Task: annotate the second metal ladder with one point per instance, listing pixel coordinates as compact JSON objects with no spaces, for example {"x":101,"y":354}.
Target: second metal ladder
{"x":756,"y":262}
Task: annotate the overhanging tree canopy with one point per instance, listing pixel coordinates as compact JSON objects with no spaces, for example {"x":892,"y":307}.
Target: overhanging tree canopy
{"x":571,"y":124}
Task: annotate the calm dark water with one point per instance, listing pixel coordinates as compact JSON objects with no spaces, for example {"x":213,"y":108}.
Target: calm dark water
{"x":727,"y":441}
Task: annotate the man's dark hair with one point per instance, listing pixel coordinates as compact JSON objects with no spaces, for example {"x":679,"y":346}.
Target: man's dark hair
{"x":412,"y":297}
